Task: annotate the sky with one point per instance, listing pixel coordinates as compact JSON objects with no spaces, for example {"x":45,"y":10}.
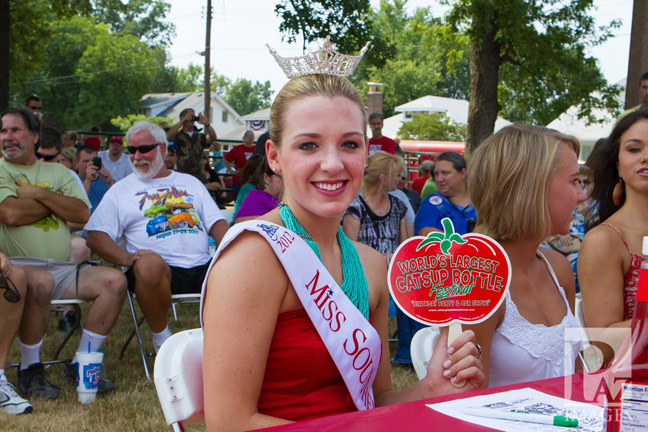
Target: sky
{"x":241,"y":28}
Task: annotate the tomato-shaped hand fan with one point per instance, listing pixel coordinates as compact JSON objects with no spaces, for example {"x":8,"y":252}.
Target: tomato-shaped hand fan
{"x":447,"y":278}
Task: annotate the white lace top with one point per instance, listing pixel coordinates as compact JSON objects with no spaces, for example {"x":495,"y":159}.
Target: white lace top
{"x":521,"y":351}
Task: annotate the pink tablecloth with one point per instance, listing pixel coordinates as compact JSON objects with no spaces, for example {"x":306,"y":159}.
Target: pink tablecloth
{"x":415,"y":416}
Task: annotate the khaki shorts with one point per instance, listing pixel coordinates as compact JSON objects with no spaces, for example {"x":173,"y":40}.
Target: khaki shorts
{"x":63,"y":272}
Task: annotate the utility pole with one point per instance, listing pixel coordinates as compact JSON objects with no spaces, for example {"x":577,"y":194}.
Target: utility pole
{"x":207,"y":65}
{"x":638,"y":58}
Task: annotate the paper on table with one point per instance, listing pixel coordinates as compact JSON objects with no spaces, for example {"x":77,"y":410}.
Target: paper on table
{"x":590,"y":417}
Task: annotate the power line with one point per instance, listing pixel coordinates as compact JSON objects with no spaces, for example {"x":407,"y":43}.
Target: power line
{"x":41,"y":81}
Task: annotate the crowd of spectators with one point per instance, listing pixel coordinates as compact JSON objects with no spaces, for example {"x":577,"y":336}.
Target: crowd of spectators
{"x":151,"y":205}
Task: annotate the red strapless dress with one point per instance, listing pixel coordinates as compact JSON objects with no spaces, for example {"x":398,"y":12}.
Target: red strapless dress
{"x":301,"y":381}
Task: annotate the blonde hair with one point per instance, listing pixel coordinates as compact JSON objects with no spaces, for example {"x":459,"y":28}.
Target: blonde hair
{"x":508,"y":179}
{"x":380,"y":163}
{"x":69,"y":153}
{"x":310,"y":85}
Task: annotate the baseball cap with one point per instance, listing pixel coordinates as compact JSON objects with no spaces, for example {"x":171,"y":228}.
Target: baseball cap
{"x":119,"y":139}
{"x":171,"y":145}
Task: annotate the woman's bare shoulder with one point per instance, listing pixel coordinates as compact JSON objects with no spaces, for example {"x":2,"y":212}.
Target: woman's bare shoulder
{"x":368,"y":255}
{"x":602,"y":239}
{"x":555,"y":259}
{"x":560,"y":265}
{"x":249,"y":255}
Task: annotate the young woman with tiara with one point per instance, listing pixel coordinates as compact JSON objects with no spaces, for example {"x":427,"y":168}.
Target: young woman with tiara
{"x":294,"y":313}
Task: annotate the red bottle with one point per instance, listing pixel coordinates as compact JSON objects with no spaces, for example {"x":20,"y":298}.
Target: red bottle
{"x":628,"y":411}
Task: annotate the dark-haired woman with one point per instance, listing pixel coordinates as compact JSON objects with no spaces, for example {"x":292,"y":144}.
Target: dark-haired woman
{"x":610,"y":256}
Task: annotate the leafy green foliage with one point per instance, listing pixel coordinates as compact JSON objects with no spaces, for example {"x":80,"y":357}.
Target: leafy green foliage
{"x":531,"y":55}
{"x":538,"y":50}
{"x":90,"y":60}
{"x":112,"y":83}
{"x":31,"y":24}
{"x":91,"y":74}
{"x":246,"y":97}
{"x":406,"y":53}
{"x":125,"y":123}
{"x":143,"y":19}
{"x":432,"y":127}
{"x":345,"y":21}
{"x":34,"y":26}
{"x":413,"y":71}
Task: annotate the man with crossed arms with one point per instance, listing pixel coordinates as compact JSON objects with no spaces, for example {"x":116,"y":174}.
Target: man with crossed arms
{"x":38,"y":204}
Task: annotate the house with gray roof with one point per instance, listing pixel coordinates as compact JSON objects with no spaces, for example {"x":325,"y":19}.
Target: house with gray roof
{"x":223,"y":116}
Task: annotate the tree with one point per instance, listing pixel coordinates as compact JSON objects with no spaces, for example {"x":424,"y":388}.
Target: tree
{"x":432,"y":127}
{"x":414,"y":70}
{"x":315,"y":20}
{"x":540,"y":47}
{"x":125,"y":123}
{"x":74,"y":62}
{"x":144,"y":19}
{"x":23,"y":27}
{"x":246,"y":97}
{"x":528,"y":58}
{"x":406,"y":80}
{"x":242,"y":95}
{"x":90,"y":74}
{"x":345,"y":21}
{"x":111,"y":82}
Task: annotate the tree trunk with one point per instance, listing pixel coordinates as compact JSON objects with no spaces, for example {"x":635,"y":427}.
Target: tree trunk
{"x":5,"y":26}
{"x":484,"y":70}
{"x":638,"y":56}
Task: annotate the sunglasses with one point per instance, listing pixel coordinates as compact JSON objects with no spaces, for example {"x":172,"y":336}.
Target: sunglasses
{"x":142,"y":149}
{"x":11,"y":294}
{"x":35,"y":108}
{"x":46,"y":158}
{"x":584,"y":182}
{"x":403,"y":178}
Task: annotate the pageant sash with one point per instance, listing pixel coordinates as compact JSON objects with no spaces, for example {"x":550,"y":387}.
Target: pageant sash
{"x":354,"y":345}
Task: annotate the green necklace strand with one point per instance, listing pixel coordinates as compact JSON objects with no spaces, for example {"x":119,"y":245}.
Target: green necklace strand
{"x":354,"y":284}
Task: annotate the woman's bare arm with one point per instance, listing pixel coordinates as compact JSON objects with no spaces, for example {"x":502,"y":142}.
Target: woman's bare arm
{"x":245,"y":291}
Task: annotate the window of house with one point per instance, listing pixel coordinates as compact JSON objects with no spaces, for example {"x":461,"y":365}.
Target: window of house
{"x":224,"y":117}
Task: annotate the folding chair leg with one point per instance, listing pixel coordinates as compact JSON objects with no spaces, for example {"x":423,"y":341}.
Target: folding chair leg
{"x":136,"y":323}
{"x":77,"y":325}
{"x":130,"y":338}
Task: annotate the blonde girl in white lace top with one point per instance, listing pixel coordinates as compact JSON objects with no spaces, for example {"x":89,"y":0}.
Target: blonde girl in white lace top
{"x":523,"y":182}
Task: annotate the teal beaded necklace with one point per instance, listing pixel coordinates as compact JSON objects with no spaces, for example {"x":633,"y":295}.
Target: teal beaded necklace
{"x":354,"y":284}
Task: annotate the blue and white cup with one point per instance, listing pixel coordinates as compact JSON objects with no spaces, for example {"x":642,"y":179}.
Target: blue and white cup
{"x":87,"y":375}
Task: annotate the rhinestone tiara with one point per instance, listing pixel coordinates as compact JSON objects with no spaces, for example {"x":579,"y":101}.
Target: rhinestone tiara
{"x":325,"y":61}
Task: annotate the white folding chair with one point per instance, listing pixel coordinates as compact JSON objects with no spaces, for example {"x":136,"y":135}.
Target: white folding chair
{"x":178,"y":378}
{"x":421,"y":349}
{"x":137,"y":322}
{"x":178,"y":299}
{"x":76,"y":304}
{"x":56,"y":306}
{"x":589,"y":354}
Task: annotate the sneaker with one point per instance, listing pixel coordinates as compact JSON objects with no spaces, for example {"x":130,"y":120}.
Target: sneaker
{"x":69,"y":376}
{"x":10,"y":401}
{"x":67,"y":321}
{"x":32,"y":382}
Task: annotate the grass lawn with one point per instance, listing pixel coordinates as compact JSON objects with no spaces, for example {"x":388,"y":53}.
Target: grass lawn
{"x":134,"y":405}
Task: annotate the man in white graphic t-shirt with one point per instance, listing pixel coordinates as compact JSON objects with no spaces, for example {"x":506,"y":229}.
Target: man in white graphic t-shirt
{"x":166,"y":218}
